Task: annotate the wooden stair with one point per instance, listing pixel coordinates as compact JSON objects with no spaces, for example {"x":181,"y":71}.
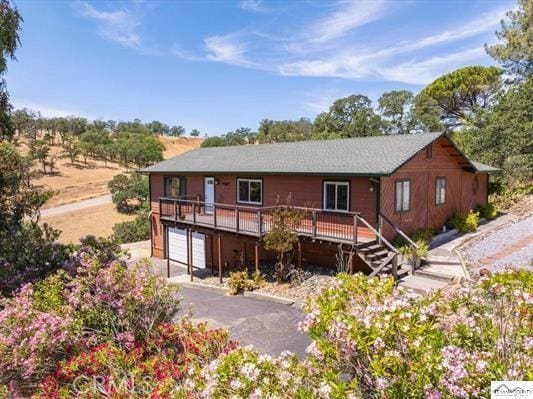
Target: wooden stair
{"x":380,"y":260}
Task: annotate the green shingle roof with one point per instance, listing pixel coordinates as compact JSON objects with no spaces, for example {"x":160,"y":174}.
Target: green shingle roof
{"x":377,"y":155}
{"x":482,"y":168}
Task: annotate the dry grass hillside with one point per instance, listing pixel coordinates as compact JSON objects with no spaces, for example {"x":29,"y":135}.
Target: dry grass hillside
{"x":81,"y":181}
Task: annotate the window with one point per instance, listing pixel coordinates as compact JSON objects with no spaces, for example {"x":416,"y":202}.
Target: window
{"x":403,"y":195}
{"x":440,"y":191}
{"x":250,"y":191}
{"x":336,"y":196}
{"x":174,"y":186}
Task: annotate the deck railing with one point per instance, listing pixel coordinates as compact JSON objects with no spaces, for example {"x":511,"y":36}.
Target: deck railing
{"x":317,"y":223}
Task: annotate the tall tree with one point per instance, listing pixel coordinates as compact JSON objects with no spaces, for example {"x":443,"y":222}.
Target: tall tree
{"x":10,"y":20}
{"x":463,"y":91}
{"x":352,"y":116}
{"x":177,"y":131}
{"x":282,"y":131}
{"x":396,"y":106}
{"x":240,"y":136}
{"x":40,"y":150}
{"x":194,"y":133}
{"x":516,"y":52}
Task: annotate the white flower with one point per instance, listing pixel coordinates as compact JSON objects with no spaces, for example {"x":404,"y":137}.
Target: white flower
{"x":324,"y":390}
{"x":235,"y":385}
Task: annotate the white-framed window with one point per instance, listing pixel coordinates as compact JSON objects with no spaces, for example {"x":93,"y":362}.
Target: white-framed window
{"x":250,"y":191}
{"x":403,"y":195}
{"x":336,"y":196}
{"x":440,"y":190}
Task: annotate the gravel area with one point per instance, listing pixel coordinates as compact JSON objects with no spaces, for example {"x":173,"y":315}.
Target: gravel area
{"x":508,"y":245}
{"x":305,"y":282}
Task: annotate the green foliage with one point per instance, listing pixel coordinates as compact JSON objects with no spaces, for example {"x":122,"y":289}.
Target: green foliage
{"x":10,"y":21}
{"x":194,"y":133}
{"x":284,"y":131}
{"x":352,"y":116}
{"x":71,"y":148}
{"x":502,"y":137}
{"x":515,"y":53}
{"x":487,"y":211}
{"x":504,"y":197}
{"x":282,"y":236}
{"x":461,"y":92}
{"x":129,"y":194}
{"x":240,"y":136}
{"x":240,"y":281}
{"x":396,"y":106}
{"x":465,"y":223}
{"x":427,"y":114}
{"x":138,"y":229}
{"x":40,"y":150}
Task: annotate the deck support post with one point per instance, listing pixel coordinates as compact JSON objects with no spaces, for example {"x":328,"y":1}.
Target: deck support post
{"x":212,"y":239}
{"x":168,"y":253}
{"x":190,"y":256}
{"x":219,"y":239}
{"x":355,"y":238}
{"x":351,"y":262}
{"x":313,"y":222}
{"x":299,"y":247}
{"x":257,"y":256}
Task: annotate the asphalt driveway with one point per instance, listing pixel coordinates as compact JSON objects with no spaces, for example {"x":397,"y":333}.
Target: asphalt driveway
{"x":270,"y":327}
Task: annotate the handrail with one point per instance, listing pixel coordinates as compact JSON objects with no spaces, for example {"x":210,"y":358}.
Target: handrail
{"x":391,"y":247}
{"x":405,"y":236}
{"x":255,"y":208}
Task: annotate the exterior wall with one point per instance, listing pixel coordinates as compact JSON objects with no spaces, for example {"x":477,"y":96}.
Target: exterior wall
{"x":462,"y":194}
{"x":305,"y":191}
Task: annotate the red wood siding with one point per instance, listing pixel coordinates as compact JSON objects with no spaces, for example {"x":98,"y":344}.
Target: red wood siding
{"x":422,"y":172}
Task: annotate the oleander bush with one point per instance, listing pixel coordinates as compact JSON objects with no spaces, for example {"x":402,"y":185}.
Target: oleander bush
{"x":64,"y":314}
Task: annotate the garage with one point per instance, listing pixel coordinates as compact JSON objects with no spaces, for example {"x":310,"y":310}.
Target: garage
{"x":177,"y":247}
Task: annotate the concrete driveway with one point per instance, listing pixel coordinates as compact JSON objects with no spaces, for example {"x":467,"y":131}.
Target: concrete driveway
{"x":270,"y":327}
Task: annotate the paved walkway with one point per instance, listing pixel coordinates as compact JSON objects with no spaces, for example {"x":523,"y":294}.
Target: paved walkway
{"x":76,"y":206}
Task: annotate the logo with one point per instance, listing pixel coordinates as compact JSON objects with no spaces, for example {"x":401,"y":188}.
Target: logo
{"x":511,"y":389}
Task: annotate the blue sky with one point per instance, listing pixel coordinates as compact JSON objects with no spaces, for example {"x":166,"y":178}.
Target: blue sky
{"x":216,"y":66}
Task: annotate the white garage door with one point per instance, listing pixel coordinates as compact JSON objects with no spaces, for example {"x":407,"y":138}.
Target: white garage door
{"x":177,"y":242}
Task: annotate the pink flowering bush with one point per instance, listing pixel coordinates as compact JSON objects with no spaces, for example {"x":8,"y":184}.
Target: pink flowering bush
{"x":64,"y":315}
{"x":374,"y":340}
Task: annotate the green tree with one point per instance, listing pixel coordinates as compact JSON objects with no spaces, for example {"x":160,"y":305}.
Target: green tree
{"x":10,"y":21}
{"x":427,"y":114}
{"x":129,"y":193}
{"x":40,"y":150}
{"x":503,"y":137}
{"x":71,"y":148}
{"x":194,"y":133}
{"x":240,"y":136}
{"x":177,"y":131}
{"x":351,"y":116}
{"x":516,"y":52}
{"x":459,"y":93}
{"x":396,"y":106}
{"x":157,"y":127}
{"x":282,"y":131}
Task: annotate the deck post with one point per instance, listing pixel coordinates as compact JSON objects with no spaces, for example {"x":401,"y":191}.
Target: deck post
{"x":237,"y":219}
{"x":190,"y":250}
{"x":175,"y":210}
{"x":160,"y":207}
{"x":219,"y":239}
{"x":355,"y":229}
{"x":188,"y":258}
{"x":211,"y":238}
{"x":257,"y":256}
{"x":299,"y":246}
{"x":313,"y":221}
{"x":214,"y":216}
{"x":194,"y":212}
{"x":260,"y":222}
{"x":168,"y":253}
{"x":350,"y":258}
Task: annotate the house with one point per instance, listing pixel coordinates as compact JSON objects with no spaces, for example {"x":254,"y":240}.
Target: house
{"x":214,"y":205}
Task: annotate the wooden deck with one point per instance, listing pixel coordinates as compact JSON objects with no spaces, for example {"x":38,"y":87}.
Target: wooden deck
{"x":347,"y":228}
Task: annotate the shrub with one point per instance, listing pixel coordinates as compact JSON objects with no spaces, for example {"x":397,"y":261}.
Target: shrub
{"x":154,"y":368}
{"x":134,"y":230}
{"x":62,"y":314}
{"x":129,"y":193}
{"x":465,"y":224}
{"x":239,"y":282}
{"x":487,"y":211}
{"x":373,"y":340}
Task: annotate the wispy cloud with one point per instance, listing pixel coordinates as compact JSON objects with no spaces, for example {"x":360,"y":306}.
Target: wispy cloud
{"x":426,"y":70}
{"x":347,"y":16}
{"x":227,"y":49}
{"x":252,"y":5}
{"x":120,"y":26}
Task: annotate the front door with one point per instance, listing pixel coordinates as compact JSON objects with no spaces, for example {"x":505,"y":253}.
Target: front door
{"x":209,"y":194}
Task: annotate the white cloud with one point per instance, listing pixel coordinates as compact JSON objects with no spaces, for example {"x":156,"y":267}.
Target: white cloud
{"x":120,"y":26}
{"x":425,"y":71}
{"x":252,"y":5}
{"x":227,"y":49}
{"x":340,"y":66}
{"x":47,"y":111}
{"x":348,"y":16}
